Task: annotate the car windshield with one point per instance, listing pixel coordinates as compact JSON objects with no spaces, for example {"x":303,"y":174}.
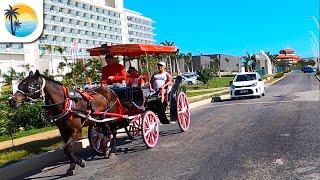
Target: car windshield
{"x":246,"y":77}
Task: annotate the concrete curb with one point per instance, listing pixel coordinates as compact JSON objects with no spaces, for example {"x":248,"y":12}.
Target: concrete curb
{"x":318,"y":77}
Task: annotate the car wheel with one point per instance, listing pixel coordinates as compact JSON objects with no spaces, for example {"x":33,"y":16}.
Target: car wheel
{"x":190,"y":83}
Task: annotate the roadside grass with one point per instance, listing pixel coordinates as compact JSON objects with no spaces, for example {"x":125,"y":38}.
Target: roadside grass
{"x":20,"y":152}
{"x":26,"y":133}
{"x":213,"y":83}
{"x":17,"y":153}
{"x":207,"y":96}
{"x":192,"y":94}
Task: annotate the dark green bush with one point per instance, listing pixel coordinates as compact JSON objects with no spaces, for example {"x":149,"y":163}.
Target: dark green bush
{"x":287,"y":71}
{"x":27,"y":117}
{"x":30,"y":116}
{"x":318,"y":73}
{"x":183,"y":88}
{"x":279,"y":75}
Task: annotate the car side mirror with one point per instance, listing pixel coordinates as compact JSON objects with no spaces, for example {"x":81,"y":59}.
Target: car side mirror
{"x":230,"y":83}
{"x":260,"y":79}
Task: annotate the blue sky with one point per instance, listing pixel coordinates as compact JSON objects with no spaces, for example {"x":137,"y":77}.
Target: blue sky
{"x":232,"y":26}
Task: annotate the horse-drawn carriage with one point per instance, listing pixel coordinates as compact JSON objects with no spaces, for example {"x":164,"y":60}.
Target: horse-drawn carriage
{"x":105,"y":109}
{"x":143,"y":107}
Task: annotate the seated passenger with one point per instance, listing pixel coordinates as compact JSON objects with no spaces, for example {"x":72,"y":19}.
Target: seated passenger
{"x":161,"y":80}
{"x":113,"y":73}
{"x":134,"y":78}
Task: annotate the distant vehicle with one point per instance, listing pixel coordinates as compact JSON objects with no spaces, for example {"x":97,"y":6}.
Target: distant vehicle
{"x":308,"y":69}
{"x":189,"y":81}
{"x":247,"y":84}
{"x":190,"y":75}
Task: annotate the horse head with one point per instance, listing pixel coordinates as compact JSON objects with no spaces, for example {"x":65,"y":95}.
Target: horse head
{"x":30,"y":89}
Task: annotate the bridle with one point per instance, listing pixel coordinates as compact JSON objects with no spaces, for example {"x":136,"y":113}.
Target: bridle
{"x":33,"y":89}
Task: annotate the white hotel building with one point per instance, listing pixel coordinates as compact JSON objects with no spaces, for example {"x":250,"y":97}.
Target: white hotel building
{"x":89,"y":23}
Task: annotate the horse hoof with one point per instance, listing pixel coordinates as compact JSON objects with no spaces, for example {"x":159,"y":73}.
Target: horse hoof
{"x":111,"y":155}
{"x":83,"y":163}
{"x":70,"y":172}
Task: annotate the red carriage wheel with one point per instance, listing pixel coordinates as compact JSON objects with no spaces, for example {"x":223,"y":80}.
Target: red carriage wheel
{"x":134,"y":128}
{"x":99,"y":142}
{"x":150,"y":129}
{"x":183,"y":112}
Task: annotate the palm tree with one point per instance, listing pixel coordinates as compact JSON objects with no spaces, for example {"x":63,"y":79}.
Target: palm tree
{"x":10,"y":14}
{"x":170,"y":57}
{"x":48,"y":48}
{"x":16,"y":25}
{"x":273,"y":59}
{"x":27,"y":67}
{"x":227,"y":61}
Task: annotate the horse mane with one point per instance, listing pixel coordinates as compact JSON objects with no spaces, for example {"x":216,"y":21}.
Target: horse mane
{"x":51,"y":80}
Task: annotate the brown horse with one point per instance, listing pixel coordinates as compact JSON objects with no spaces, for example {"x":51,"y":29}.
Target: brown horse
{"x":65,"y":110}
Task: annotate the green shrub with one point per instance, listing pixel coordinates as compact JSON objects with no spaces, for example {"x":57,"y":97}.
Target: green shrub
{"x":279,"y":75}
{"x":30,"y":116}
{"x":287,"y":71}
{"x":318,"y":73}
{"x":183,"y":88}
{"x":27,"y":117}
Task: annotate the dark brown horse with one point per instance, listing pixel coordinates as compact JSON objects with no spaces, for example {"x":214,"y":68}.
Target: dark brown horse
{"x":65,"y":110}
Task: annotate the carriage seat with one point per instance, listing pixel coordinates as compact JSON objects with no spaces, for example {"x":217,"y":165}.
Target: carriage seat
{"x":131,"y":96}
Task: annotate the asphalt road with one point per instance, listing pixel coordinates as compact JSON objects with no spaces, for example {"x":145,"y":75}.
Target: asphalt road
{"x":273,"y":137}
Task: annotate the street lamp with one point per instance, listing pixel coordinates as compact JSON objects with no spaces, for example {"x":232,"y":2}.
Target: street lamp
{"x":315,"y":44}
{"x":315,"y":20}
{"x":314,"y":49}
{"x":315,"y":39}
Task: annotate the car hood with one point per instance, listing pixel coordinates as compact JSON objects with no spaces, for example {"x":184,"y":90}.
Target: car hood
{"x":243,"y":83}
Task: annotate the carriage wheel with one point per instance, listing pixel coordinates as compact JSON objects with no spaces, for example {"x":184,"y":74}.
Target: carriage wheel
{"x":134,"y":128}
{"x":150,"y":129}
{"x":183,"y":112}
{"x":99,"y":141}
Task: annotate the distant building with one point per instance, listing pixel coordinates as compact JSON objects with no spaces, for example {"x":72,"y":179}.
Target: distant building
{"x":227,"y":63}
{"x":75,"y":25}
{"x":288,"y":55}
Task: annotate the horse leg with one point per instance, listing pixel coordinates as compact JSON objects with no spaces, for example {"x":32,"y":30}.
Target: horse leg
{"x":68,"y":149}
{"x":113,"y":142}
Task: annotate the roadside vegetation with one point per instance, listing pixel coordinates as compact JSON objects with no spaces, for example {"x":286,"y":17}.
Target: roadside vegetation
{"x":20,"y":152}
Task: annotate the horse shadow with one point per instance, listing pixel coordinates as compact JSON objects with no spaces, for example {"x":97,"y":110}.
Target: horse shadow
{"x":125,"y":145}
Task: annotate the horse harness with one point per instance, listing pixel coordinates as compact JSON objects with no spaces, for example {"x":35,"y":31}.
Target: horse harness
{"x":68,"y":103}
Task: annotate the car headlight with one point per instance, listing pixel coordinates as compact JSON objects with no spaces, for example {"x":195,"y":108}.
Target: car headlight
{"x":253,"y":85}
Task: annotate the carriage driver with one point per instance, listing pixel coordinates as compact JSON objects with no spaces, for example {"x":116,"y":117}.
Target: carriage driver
{"x":161,"y":80}
{"x":113,"y":73}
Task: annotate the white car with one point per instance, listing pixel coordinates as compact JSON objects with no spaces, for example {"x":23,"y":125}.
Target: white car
{"x":247,"y":84}
{"x":191,"y":75}
{"x":186,"y":80}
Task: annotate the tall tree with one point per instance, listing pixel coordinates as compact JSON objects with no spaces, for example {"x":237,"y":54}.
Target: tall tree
{"x":227,"y":61}
{"x":169,"y":57}
{"x":11,"y":14}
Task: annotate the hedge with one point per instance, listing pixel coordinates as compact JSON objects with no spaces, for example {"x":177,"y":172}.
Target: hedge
{"x":27,"y":117}
{"x":278,"y":75}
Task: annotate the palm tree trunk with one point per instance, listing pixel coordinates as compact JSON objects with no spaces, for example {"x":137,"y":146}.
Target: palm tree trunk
{"x":12,"y":31}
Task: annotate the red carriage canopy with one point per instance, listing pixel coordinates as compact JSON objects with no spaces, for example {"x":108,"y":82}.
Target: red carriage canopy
{"x":131,"y":50}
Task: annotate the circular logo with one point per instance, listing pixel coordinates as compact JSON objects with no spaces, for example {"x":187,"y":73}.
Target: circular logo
{"x":20,"y":20}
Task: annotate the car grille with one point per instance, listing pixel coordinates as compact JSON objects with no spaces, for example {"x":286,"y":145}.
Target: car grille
{"x":242,"y":86}
{"x":243,"y":92}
